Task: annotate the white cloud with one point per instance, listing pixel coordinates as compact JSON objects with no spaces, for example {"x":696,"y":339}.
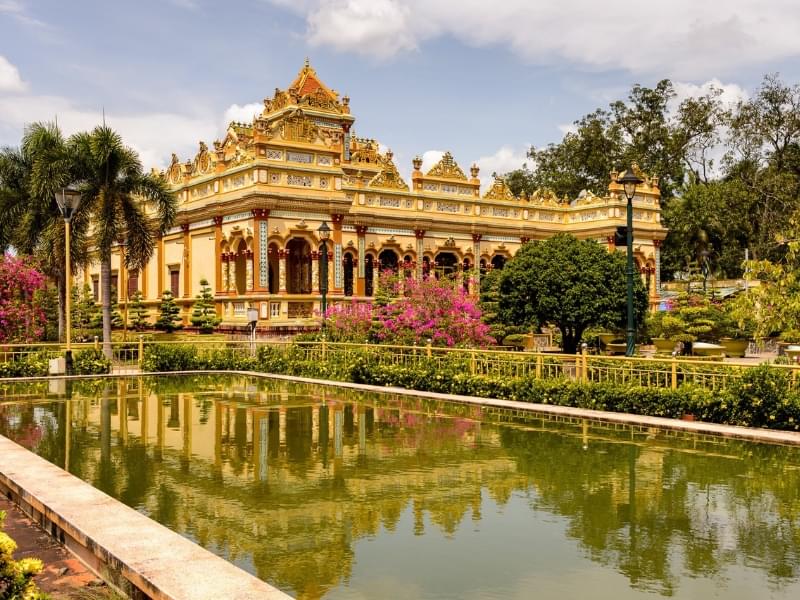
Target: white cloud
{"x":504,"y":160}
{"x":10,"y":80}
{"x":153,"y":135}
{"x":430,"y":158}
{"x":731,"y":92}
{"x":682,"y":38}
{"x":242,"y":114}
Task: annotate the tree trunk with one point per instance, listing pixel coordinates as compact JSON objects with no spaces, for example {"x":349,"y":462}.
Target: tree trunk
{"x":105,"y":284}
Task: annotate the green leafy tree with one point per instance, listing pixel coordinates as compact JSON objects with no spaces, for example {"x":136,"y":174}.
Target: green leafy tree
{"x":489,"y":305}
{"x":30,"y":178}
{"x":169,"y":313}
{"x":573,"y":284}
{"x":125,"y":203}
{"x":138,"y":312}
{"x":204,"y":314}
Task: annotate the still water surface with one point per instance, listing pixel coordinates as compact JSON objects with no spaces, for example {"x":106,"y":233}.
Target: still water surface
{"x":343,"y":495}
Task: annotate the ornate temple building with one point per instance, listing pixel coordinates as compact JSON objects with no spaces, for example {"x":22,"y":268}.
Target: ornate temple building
{"x":250,"y":206}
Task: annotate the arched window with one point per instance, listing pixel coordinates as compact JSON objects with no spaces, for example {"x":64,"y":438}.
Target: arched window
{"x":348,"y":264}
{"x":408,"y":266}
{"x":446,"y":264}
{"x":467,"y":270}
{"x":498,"y":261}
{"x":240,"y":259}
{"x":298,"y":267}
{"x":369,"y":268}
{"x":426,"y":267}
{"x":274,"y":268}
{"x":388,"y":261}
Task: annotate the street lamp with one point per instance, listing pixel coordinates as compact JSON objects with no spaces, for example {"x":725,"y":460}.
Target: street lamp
{"x":324,"y":234}
{"x":68,"y":203}
{"x":629,"y":181}
{"x":123,"y":283}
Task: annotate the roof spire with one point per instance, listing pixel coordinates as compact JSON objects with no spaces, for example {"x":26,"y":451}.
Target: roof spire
{"x":307,"y":63}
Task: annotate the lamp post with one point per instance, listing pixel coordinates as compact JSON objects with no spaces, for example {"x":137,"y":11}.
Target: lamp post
{"x":68,"y":203}
{"x":324,"y":234}
{"x":123,"y":283}
{"x":629,"y":181}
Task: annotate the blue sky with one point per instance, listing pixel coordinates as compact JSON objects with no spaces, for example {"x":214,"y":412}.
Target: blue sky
{"x":484,"y":80}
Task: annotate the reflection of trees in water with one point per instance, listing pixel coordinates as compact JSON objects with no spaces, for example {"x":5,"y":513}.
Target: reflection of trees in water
{"x":655,"y":514}
{"x":651,"y":513}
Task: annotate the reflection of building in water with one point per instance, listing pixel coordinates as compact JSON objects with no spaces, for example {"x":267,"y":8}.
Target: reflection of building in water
{"x":292,"y":487}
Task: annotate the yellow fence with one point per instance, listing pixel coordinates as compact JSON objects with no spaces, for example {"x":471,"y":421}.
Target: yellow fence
{"x":670,"y":372}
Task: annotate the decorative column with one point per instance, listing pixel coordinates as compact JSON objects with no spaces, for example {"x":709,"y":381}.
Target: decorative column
{"x":219,"y":286}
{"x":657,"y":251}
{"x":224,"y":280}
{"x":376,"y":275}
{"x":346,"y":141}
{"x":420,"y":235}
{"x":337,"y":273}
{"x":187,"y":261}
{"x":524,"y":239}
{"x":160,"y":266}
{"x":611,"y":243}
{"x":282,"y":271}
{"x":476,"y":252}
{"x":249,"y":270}
{"x":315,"y":272}
{"x":260,"y":246}
{"x":231,"y":272}
{"x":361,"y":285}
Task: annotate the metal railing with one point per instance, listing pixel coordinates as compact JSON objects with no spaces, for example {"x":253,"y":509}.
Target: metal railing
{"x":670,"y":372}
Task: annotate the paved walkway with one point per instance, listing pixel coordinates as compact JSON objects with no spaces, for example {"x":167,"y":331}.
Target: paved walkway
{"x":64,"y":576}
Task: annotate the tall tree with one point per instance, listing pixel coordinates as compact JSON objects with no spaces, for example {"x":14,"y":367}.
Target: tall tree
{"x":30,"y":178}
{"x":125,"y":203}
{"x":574,"y":284}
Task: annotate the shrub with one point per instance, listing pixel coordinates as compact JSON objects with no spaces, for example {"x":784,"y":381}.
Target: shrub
{"x":169,"y":357}
{"x":16,"y":576}
{"x":763,"y":397}
{"x":35,"y":364}
{"x":91,"y":361}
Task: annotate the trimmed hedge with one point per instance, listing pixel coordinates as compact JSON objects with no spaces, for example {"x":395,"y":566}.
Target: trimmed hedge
{"x":760,"y":397}
{"x":91,"y":361}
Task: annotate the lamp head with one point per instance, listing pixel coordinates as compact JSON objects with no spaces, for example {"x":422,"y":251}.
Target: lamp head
{"x":324,"y":231}
{"x":629,"y":181}
{"x":68,"y":201}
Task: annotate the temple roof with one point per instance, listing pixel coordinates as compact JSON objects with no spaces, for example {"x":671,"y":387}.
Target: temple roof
{"x":447,"y":168}
{"x":308,"y":82}
{"x":499,"y":191}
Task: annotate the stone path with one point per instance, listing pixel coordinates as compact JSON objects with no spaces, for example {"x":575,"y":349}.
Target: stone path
{"x":64,"y":577}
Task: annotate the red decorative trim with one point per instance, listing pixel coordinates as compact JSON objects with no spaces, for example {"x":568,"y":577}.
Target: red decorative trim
{"x":524,"y":239}
{"x":657,"y":243}
{"x":261,"y":213}
{"x":361,"y":229}
{"x":282,"y":254}
{"x":419,"y":233}
{"x":185,"y":227}
{"x":218,"y":221}
{"x":337,"y":218}
{"x":476,"y":237}
{"x":610,"y":240}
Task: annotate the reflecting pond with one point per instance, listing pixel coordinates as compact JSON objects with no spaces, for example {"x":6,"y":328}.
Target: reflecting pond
{"x":333,"y":493}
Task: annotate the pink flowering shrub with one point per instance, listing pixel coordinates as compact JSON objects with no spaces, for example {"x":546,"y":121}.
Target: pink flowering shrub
{"x":439,"y":310}
{"x":349,"y":322}
{"x":21,"y":318}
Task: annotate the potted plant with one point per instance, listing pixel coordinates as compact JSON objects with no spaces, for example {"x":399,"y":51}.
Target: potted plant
{"x":655,"y":330}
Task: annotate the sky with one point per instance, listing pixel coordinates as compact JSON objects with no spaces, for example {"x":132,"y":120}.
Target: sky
{"x":484,"y":80}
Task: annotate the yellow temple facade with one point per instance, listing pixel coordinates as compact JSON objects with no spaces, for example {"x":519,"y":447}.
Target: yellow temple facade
{"x":250,"y":206}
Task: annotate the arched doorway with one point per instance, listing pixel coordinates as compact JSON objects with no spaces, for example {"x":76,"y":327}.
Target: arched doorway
{"x":467,"y":270}
{"x":348,"y":263}
{"x":408,"y":267}
{"x":483,"y":267}
{"x":274,"y":268}
{"x":498,"y":261}
{"x":298,"y":266}
{"x":426,"y":267}
{"x":240,"y":260}
{"x":446,"y":264}
{"x":369,"y":275}
{"x":388,"y":261}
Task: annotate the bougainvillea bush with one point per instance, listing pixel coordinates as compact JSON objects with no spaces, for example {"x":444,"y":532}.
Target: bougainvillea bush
{"x":348,"y":322}
{"x":21,"y":317}
{"x":439,"y":310}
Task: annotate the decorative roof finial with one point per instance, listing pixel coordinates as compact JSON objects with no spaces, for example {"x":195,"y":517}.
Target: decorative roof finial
{"x":417,"y":163}
{"x":474,"y":170}
{"x":307,"y":63}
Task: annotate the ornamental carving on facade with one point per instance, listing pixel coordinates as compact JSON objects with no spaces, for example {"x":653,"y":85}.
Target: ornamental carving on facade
{"x":499,"y":191}
{"x":447,"y":168}
{"x":389,"y":177}
{"x":545,"y":197}
{"x":202,"y":161}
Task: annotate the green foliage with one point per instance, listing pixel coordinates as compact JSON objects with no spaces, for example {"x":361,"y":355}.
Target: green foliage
{"x":574,"y":284}
{"x":489,"y":305}
{"x":47,"y":299}
{"x":16,"y":576}
{"x":34,"y":364}
{"x":86,"y":317}
{"x":91,"y":361}
{"x":204,"y":315}
{"x":169,"y":313}
{"x":138,"y":312}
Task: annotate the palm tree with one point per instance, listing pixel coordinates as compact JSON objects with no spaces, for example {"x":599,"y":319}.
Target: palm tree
{"x":125,"y":203}
{"x":30,"y":178}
